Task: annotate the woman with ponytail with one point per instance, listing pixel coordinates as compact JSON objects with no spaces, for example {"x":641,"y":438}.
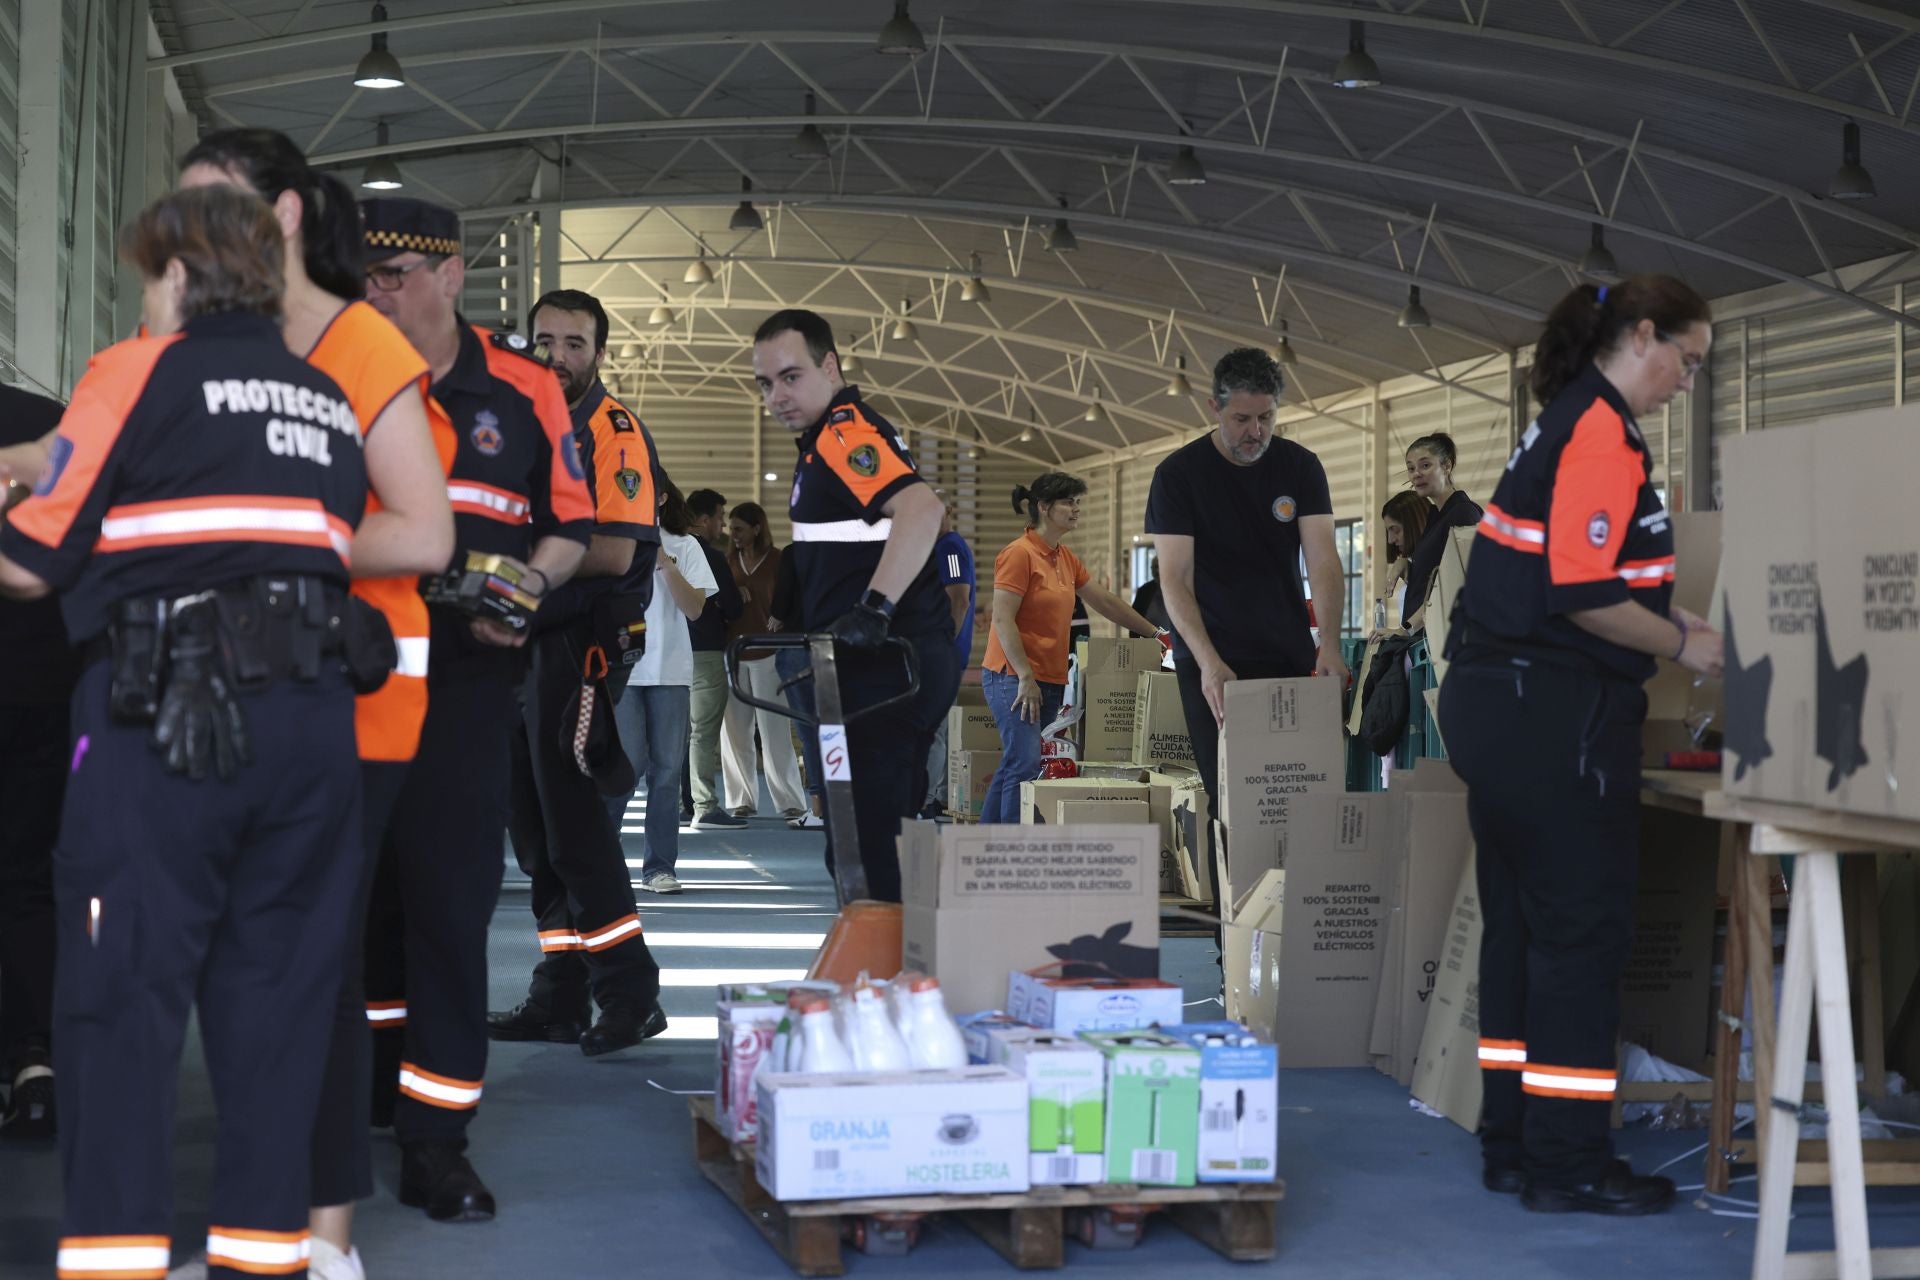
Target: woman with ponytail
{"x":1036,"y":583}
{"x":1567,"y":604}
{"x":1430,"y":463}
{"x":407,"y":531}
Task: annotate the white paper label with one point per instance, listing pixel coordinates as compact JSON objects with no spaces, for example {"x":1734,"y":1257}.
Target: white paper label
{"x":833,"y":753}
{"x":1254,"y":967}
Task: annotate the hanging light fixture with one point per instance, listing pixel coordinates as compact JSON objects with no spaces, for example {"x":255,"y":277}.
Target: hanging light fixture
{"x":1598,"y":261}
{"x":810,"y":143}
{"x":1094,"y":412}
{"x":903,"y":328}
{"x":1186,"y":169}
{"x":1061,"y":239}
{"x":1413,"y":315}
{"x":746,"y":217}
{"x":1026,"y":436}
{"x":661,"y":313}
{"x":379,"y":69}
{"x":901,"y":36}
{"x":629,"y":350}
{"x":1178,"y":384}
{"x":698,"y":272}
{"x":1356,"y":69}
{"x":975,"y":289}
{"x":1284,"y":352}
{"x":849,"y":363}
{"x":382,"y":173}
{"x":1851,"y":181}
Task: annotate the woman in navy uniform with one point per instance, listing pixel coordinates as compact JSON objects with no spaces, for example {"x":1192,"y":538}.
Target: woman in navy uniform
{"x":197,"y":516}
{"x":1568,"y":602}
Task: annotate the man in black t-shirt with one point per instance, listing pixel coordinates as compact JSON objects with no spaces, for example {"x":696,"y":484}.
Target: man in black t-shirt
{"x":37,"y":675}
{"x":1231,"y":514}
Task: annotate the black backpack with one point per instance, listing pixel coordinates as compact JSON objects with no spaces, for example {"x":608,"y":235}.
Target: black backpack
{"x":1384,"y":700}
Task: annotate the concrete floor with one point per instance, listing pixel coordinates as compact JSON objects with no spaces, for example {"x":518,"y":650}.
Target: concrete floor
{"x":590,"y":1160}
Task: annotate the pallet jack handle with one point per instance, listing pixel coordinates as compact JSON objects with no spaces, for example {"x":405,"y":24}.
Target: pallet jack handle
{"x":829,"y":723}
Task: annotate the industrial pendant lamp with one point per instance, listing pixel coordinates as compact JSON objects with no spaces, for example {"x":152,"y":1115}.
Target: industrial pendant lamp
{"x":379,"y":69}
{"x":662,"y":313}
{"x":1178,"y":384}
{"x":975,"y":290}
{"x":1413,"y":315}
{"x":698,"y":272}
{"x":810,"y":143}
{"x":1356,"y":70}
{"x":1284,"y":352}
{"x":1094,"y":412}
{"x":901,"y":36}
{"x":1598,"y":262}
{"x":1186,"y":169}
{"x":1061,"y":239}
{"x":903,"y":329}
{"x":746,"y":217}
{"x":382,"y":173}
{"x":1851,"y":181}
{"x":849,"y":362}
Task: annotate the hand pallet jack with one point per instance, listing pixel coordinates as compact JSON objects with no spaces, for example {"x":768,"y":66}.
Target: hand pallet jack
{"x":866,"y":935}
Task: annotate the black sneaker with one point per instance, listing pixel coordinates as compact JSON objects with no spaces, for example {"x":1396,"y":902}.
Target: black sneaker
{"x":622,"y":1027}
{"x":29,"y":1116}
{"x":1619,"y":1192}
{"x":530,"y":1021}
{"x":718,"y":821}
{"x":1506,"y":1179}
{"x":437,"y":1177}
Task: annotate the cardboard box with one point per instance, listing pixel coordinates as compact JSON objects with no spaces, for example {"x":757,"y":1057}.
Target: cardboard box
{"x":1448,"y":577}
{"x":1431,"y":840}
{"x":1159,"y":721}
{"x":1191,"y":821}
{"x":1067,"y":1102}
{"x":1281,"y":739}
{"x":823,"y":1137}
{"x":1153,"y":1107}
{"x":1665,"y":997}
{"x":1302,"y":949}
{"x":1446,"y":1073}
{"x":1039,"y":799}
{"x":1068,"y":813}
{"x":1072,"y":1005}
{"x":1105,"y":655}
{"x":984,"y":901}
{"x":968,"y":773}
{"x":1239,"y":1102}
{"x":970,"y":727}
{"x":977,"y":1029}
{"x":1109,"y":678}
{"x":744,"y":1037}
{"x":1866,"y":685}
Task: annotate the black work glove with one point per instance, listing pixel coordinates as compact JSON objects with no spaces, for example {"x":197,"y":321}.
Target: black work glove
{"x":861,"y":627}
{"x":199,"y":718}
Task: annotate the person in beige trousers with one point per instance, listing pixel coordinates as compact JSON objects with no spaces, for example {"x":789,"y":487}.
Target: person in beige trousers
{"x":754,"y":561}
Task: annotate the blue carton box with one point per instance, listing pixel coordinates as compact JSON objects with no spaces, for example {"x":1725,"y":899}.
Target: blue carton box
{"x":1239,"y":1101}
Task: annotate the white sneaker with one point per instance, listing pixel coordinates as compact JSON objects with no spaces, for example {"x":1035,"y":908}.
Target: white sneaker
{"x":328,"y":1263}
{"x":660,"y":882}
{"x":808,"y":822}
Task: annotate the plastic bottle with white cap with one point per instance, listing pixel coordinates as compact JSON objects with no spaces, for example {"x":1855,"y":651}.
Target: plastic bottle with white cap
{"x":821,"y":1051}
{"x":871,"y":1036}
{"x":933,"y":1038}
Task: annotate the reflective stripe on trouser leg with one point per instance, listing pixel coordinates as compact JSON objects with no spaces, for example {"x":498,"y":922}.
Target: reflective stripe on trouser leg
{"x":437,"y":1090}
{"x":1502,"y":1055}
{"x":1582,"y":1084}
{"x":258,"y":1253}
{"x":126,"y":1257}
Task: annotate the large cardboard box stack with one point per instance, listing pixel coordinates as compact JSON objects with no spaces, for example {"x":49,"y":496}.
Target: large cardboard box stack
{"x":1429,"y":843}
{"x":1109,"y":679}
{"x":1446,"y":1074}
{"x":1159,"y":720}
{"x":968,"y":773}
{"x":1677,"y":701}
{"x":1665,"y":997}
{"x":973,"y":752}
{"x":1302,"y":949}
{"x":1822,"y":615}
{"x":1281,"y":740}
{"x":984,"y":901}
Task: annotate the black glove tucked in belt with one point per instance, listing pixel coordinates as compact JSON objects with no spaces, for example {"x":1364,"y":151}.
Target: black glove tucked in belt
{"x":199,"y":718}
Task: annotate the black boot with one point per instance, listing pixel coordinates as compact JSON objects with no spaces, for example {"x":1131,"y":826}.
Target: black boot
{"x":1619,"y":1192}
{"x":436,"y":1176}
{"x":531,"y":1021}
{"x":622,"y":1026}
{"x":29,"y":1115}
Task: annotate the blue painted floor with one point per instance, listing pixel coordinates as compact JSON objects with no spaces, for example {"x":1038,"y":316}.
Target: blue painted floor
{"x":591,"y":1160}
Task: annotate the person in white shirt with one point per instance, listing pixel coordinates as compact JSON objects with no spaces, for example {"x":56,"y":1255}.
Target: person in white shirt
{"x":654,"y":716}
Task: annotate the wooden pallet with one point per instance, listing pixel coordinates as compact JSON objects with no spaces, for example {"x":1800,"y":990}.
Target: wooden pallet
{"x":1028,"y":1229}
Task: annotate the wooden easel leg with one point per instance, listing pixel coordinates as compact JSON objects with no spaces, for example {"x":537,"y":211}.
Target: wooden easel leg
{"x":1757,"y":885}
{"x":1726,"y":1034}
{"x":1849,"y":1188}
{"x":1780,"y":1141}
{"x":1860,"y":878}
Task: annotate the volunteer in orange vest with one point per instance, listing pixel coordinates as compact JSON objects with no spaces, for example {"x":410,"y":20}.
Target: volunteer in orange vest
{"x":1036,"y":582}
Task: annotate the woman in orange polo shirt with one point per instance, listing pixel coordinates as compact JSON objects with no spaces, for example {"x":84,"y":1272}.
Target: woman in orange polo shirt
{"x":1035,"y":584}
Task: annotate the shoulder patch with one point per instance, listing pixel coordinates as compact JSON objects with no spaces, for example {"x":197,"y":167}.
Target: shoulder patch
{"x":517,"y":343}
{"x":621,"y":420}
{"x":864,"y":459}
{"x":840,"y":415}
{"x":629,"y":481}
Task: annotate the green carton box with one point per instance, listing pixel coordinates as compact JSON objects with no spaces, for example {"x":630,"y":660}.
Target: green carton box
{"x":1067,"y":1089}
{"x":1153,"y":1107}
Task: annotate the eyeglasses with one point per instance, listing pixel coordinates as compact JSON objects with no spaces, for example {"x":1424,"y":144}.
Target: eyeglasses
{"x":386,"y":279}
{"x":1689,"y":365}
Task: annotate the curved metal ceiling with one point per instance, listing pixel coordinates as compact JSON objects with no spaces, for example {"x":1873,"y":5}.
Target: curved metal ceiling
{"x":1698,"y":133}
